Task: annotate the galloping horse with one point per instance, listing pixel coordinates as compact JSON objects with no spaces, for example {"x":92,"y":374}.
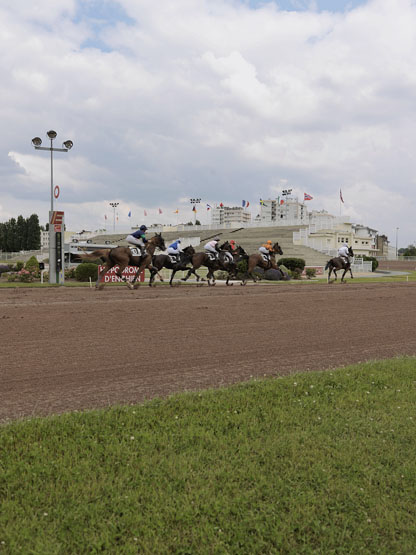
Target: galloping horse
{"x":123,"y":257}
{"x":258,"y":259}
{"x":164,"y":261}
{"x":223,"y":262}
{"x":338,"y":263}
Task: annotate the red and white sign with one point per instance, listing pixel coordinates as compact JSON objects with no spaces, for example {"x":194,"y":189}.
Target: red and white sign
{"x":57,"y":217}
{"x":57,"y":228}
{"x":129,"y":273}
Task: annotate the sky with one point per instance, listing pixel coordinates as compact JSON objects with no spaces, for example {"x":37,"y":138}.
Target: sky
{"x":223,"y":100}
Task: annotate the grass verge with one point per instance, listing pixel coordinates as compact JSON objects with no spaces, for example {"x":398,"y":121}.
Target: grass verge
{"x":315,"y":462}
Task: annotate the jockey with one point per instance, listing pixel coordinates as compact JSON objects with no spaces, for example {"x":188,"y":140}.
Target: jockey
{"x":138,"y":238}
{"x":212,"y":246}
{"x":343,"y":253}
{"x":175,"y":249}
{"x":233,"y":246}
{"x":266,"y":248}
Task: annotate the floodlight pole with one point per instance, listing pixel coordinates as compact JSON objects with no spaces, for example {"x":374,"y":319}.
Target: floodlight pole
{"x":56,"y":243}
{"x":114,"y":206}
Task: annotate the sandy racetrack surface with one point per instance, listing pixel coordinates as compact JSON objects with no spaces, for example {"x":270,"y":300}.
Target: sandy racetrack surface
{"x":66,"y":349}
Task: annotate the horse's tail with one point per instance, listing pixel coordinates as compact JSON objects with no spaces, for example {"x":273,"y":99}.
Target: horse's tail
{"x":100,"y":253}
{"x":327,"y":265}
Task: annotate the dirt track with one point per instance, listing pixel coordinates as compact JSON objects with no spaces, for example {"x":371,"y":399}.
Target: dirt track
{"x":76,"y":348}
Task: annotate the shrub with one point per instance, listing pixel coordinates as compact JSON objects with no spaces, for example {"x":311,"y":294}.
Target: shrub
{"x":19,"y":265}
{"x":292,"y":263}
{"x":70,"y":273}
{"x":296,"y":273}
{"x":32,"y":264}
{"x":85,"y":271}
{"x":25,"y":275}
{"x":310,"y":273}
{"x":374,"y":262}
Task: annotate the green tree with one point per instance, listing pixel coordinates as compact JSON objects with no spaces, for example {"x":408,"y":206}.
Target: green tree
{"x":33,"y":233}
{"x":410,"y":251}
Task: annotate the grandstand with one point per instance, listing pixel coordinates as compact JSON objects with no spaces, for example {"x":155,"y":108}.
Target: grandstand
{"x":249,"y":238}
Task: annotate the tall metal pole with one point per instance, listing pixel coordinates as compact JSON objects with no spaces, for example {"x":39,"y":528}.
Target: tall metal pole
{"x":397,"y":229}
{"x":51,"y":177}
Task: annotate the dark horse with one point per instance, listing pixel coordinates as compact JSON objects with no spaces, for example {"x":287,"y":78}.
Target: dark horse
{"x":123,"y":257}
{"x":164,"y":261}
{"x":258,"y":259}
{"x":338,"y":263}
{"x":224,"y":261}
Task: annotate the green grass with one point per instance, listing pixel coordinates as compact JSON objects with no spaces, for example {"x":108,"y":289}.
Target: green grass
{"x":310,"y":463}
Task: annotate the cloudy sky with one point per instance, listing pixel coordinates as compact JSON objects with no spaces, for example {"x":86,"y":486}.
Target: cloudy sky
{"x":219,"y":99}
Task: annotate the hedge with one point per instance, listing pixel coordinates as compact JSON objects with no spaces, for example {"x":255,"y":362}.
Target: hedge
{"x":85,"y":271}
{"x":292,"y":263}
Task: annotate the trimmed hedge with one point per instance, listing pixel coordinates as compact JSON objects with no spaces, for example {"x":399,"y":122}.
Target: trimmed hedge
{"x":85,"y":271}
{"x":293,"y":264}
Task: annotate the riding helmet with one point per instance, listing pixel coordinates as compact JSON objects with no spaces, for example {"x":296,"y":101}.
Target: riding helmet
{"x":143,"y":228}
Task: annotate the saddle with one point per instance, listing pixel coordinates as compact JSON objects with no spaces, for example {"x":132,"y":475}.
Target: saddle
{"x":173,"y":258}
{"x":228,"y":257}
{"x":266,"y":258}
{"x":135,"y":251}
{"x":212,"y":256}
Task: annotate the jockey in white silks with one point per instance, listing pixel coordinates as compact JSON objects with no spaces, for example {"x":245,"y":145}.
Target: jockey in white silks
{"x":212,"y":246}
{"x":344,"y":253}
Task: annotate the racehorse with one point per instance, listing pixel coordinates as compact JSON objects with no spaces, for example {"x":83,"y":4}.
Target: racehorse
{"x":223,"y":261}
{"x":338,"y":263}
{"x":258,"y":259}
{"x":160,"y":261}
{"x":123,"y":257}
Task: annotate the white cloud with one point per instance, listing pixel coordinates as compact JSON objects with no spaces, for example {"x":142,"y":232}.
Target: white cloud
{"x":209,"y":98}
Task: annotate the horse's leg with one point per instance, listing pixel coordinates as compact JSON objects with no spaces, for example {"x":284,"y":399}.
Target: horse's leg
{"x":107,"y":268}
{"x":172,"y":276}
{"x":342,"y":279}
{"x":329,"y":274}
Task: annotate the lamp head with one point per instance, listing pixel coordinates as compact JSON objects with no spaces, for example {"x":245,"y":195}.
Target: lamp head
{"x":37,"y":141}
{"x":51,"y":134}
{"x":68,"y":144}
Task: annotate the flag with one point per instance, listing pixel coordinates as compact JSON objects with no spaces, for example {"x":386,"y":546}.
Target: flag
{"x":129,"y":214}
{"x":176,"y":211}
{"x":340,"y":196}
{"x":262,"y":202}
{"x":105,"y":216}
{"x":145,"y":213}
{"x":307,"y":197}
{"x":247,"y":204}
{"x":243,"y":202}
{"x":160,"y":211}
{"x":194,"y":208}
{"x":208,"y":207}
{"x":221,"y":205}
{"x":282,"y":202}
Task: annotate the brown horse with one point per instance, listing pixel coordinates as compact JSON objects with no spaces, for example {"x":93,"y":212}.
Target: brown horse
{"x":224,"y":261}
{"x":258,"y":259}
{"x":339,"y":263}
{"x":123,"y":257}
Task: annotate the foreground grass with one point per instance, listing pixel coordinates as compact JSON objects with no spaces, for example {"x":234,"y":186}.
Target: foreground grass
{"x":314,"y":462}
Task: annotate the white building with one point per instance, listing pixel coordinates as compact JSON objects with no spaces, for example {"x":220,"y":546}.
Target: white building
{"x":229,"y":215}
{"x":287,"y":211}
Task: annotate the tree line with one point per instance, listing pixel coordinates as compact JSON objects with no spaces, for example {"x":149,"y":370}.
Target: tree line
{"x":21,"y":234}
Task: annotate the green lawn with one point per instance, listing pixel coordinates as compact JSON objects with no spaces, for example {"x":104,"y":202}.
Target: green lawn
{"x":310,"y":463}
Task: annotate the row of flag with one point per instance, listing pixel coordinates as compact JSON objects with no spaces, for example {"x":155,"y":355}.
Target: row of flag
{"x":244,"y":203}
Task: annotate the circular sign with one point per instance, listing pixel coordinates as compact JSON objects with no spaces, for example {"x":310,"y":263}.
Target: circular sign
{"x":56,"y":192}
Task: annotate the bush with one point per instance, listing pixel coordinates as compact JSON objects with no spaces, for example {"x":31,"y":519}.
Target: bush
{"x":70,"y":273}
{"x":19,"y":265}
{"x":85,"y":271}
{"x":293,"y":264}
{"x":32,"y":264}
{"x":296,"y":273}
{"x":310,"y":273}
{"x":374,"y":262}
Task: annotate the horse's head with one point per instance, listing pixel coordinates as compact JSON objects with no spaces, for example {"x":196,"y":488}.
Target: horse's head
{"x":158,"y":241}
{"x":277,"y":248}
{"x":350,"y":252}
{"x":225,"y":246}
{"x":240,"y":251}
{"x":189,"y":251}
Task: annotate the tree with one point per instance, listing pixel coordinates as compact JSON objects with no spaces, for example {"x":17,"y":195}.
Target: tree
{"x":33,"y":233}
{"x":410,"y":251}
